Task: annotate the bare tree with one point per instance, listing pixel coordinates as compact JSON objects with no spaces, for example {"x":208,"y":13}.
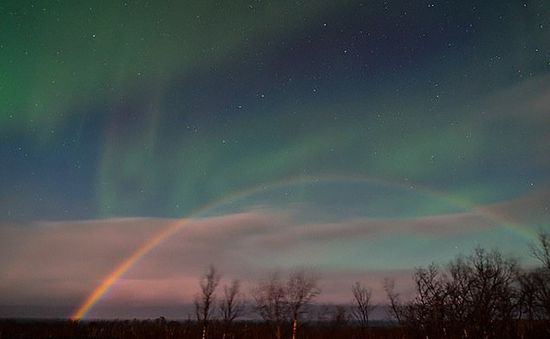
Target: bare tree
{"x":539,"y":282}
{"x":362,"y":304}
{"x":232,"y":305}
{"x":205,"y":301}
{"x":476,"y":297}
{"x":269,"y":297}
{"x":278,"y":301}
{"x":541,"y":250}
{"x":301,"y":289}
{"x":393,"y":299}
{"x":529,"y":299}
{"x":425,"y":315}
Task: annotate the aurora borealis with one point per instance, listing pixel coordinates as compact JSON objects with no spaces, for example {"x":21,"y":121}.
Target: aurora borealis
{"x":360,"y":137}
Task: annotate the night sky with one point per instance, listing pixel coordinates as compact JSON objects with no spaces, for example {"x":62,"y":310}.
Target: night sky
{"x":361,"y":138}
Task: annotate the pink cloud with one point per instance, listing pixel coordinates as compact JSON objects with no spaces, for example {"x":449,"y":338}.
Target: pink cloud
{"x":63,"y":261}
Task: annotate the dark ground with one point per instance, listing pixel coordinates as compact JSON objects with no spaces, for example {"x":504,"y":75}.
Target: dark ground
{"x":162,"y":328}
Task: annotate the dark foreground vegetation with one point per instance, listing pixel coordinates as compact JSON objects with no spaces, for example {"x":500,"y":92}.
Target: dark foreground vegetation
{"x":160,"y":328}
{"x":482,"y":295}
{"x":164,"y":329}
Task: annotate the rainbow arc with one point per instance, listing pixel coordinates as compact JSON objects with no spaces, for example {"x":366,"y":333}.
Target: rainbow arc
{"x":123,"y":267}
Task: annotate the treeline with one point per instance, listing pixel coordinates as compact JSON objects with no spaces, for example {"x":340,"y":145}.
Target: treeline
{"x":482,"y":295}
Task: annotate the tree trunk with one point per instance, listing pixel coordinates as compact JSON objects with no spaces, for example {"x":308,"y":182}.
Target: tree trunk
{"x":294,"y":327}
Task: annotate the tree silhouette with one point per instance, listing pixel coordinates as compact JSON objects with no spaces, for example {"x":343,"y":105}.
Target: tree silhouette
{"x":231,"y":306}
{"x":476,"y":297}
{"x":301,"y":289}
{"x":536,"y":283}
{"x":541,"y":249}
{"x":277,"y":301}
{"x":395,"y":307}
{"x":362,"y":305}
{"x":205,"y":301}
{"x":269,"y":298}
